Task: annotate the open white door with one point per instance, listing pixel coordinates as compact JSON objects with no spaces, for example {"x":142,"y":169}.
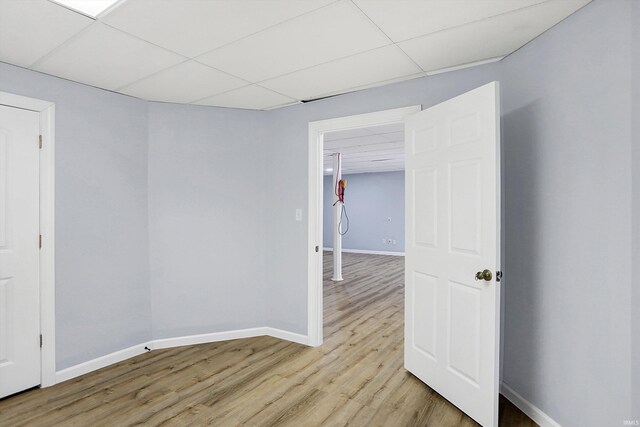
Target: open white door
{"x":19,"y":257}
{"x":452,"y":320}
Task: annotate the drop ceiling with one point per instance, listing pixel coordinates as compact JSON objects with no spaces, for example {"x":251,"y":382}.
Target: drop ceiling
{"x":263,"y":54}
{"x":372,"y":149}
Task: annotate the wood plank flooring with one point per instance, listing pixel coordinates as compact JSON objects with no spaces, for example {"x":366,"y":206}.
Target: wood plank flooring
{"x":355,"y":378}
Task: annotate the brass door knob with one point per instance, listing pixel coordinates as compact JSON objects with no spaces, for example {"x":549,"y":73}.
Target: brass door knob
{"x":484,"y":275}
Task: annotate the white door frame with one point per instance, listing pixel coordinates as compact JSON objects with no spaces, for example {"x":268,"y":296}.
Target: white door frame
{"x":46,"y":110}
{"x":314,"y":240}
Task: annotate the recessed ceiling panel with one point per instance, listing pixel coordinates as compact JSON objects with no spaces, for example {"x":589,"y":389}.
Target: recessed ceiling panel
{"x":405,"y":19}
{"x":185,"y":83}
{"x":30,"y":29}
{"x":193,"y":27}
{"x":252,"y":97}
{"x":106,"y":58}
{"x":490,"y":38}
{"x":332,"y":32}
{"x":339,"y":76}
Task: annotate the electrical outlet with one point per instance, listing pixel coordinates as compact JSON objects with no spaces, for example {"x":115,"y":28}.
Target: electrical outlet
{"x":384,"y":241}
{"x":394,"y":241}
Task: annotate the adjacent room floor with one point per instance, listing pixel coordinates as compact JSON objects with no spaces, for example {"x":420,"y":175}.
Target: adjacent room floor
{"x":356,"y":378}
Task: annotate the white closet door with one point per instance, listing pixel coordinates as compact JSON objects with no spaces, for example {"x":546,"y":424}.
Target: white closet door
{"x":19,"y":251}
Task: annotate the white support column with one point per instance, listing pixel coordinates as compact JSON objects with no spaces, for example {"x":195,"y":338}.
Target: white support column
{"x":337,"y":210}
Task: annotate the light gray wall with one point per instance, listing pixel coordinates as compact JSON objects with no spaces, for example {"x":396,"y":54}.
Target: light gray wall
{"x":102,"y":274}
{"x":371,"y":199}
{"x":635,"y":299}
{"x":204,"y":176}
{"x":207,"y":199}
{"x":567,"y":188}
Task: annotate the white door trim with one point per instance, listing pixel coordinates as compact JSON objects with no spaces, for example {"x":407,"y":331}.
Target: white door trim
{"x":314,"y":236}
{"x":46,"y":110}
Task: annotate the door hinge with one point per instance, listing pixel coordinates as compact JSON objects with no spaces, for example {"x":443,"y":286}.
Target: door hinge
{"x":40,"y":340}
{"x":40,"y":241}
{"x":498,"y":276}
{"x":40,"y":141}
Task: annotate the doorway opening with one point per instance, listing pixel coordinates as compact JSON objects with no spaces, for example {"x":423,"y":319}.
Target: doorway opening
{"x":363,"y":271}
{"x":340,"y":129}
{"x":363,"y":185}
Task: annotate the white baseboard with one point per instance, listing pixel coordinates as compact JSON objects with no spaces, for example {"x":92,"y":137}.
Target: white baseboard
{"x":366,"y":251}
{"x":532,"y":411}
{"x":100,"y":362}
{"x":208,"y":338}
{"x":287,"y":336}
{"x":120,"y":355}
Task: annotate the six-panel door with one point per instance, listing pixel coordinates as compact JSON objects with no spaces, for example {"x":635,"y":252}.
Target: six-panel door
{"x":452,"y":321}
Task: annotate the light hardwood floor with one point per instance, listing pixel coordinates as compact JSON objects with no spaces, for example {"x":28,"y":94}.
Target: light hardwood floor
{"x":355,"y":378}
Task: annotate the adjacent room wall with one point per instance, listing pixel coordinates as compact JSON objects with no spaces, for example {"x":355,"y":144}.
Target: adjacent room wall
{"x":567,"y":202}
{"x":635,"y":285}
{"x":370,"y":199}
{"x":102,"y":273}
{"x":207,"y":201}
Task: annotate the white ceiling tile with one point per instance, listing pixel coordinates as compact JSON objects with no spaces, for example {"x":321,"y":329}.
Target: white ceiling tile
{"x":374,"y":156}
{"x":295,"y":49}
{"x":387,"y":129}
{"x":405,"y":19}
{"x":184,"y":83}
{"x":384,"y":146}
{"x":341,"y":75}
{"x":31,"y":29}
{"x":346,"y":134}
{"x":332,"y":32}
{"x":252,"y":97}
{"x":393,"y":136}
{"x":490,"y":38}
{"x":337,"y":144}
{"x":193,"y":27}
{"x":106,"y":58}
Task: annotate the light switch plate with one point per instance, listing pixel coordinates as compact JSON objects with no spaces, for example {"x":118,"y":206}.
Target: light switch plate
{"x":298,"y":214}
